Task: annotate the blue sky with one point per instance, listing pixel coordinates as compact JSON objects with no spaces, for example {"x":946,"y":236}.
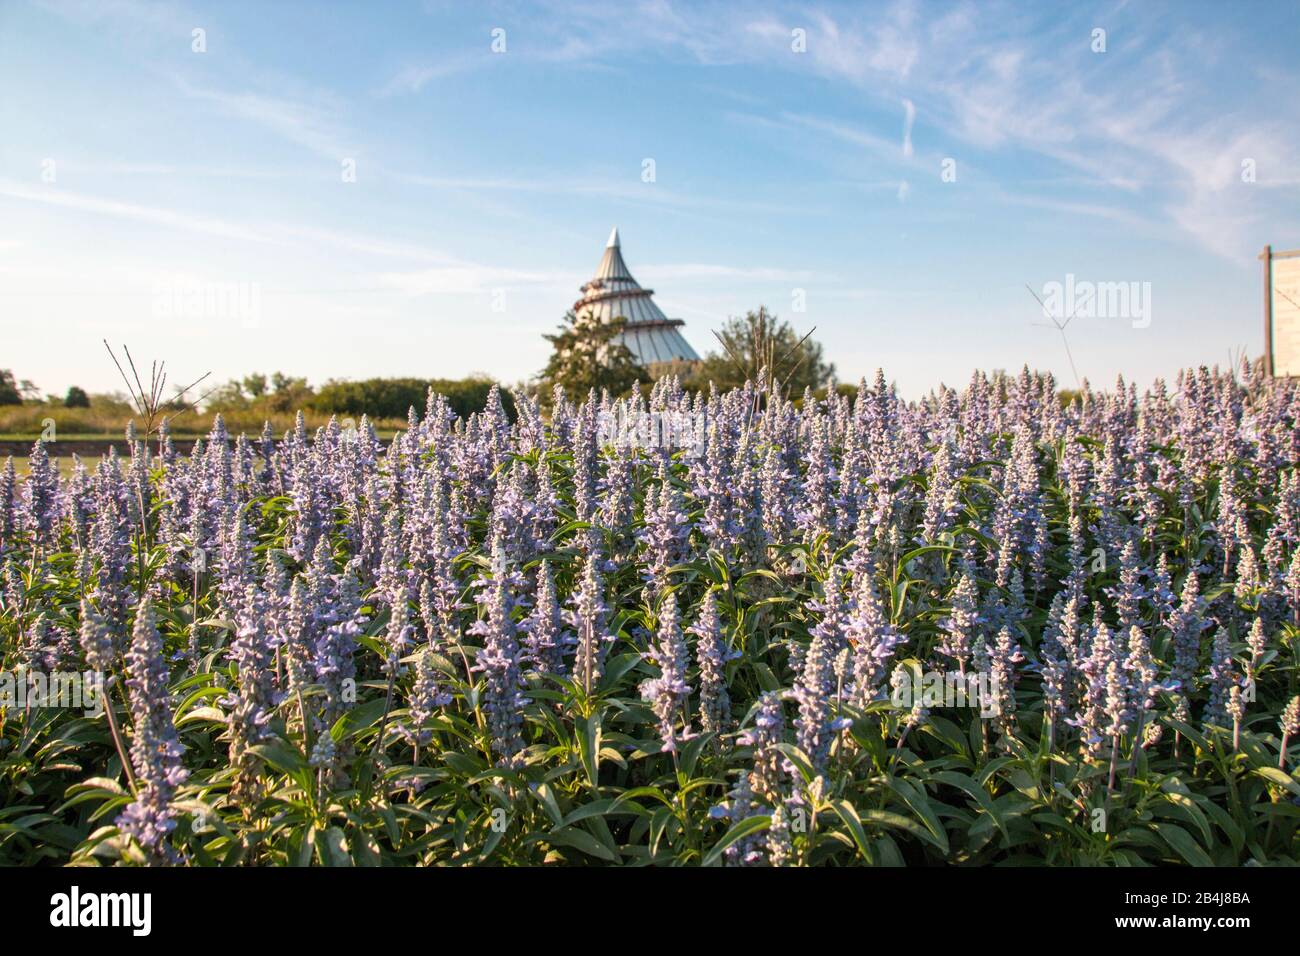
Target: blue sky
{"x":486,"y":182}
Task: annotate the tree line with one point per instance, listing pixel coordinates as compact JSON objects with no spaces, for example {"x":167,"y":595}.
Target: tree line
{"x":759,"y":346}
{"x":586,"y":354}
{"x":15,"y":392}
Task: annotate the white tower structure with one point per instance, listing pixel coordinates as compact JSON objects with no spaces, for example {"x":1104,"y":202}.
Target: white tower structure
{"x":612,"y":293}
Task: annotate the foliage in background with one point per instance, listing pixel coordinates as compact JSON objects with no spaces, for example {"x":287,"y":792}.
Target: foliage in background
{"x":585,"y":356}
{"x":103,"y":415}
{"x":277,"y":396}
{"x":761,"y":342}
{"x":246,"y":406}
{"x":394,"y":397}
{"x":76,"y":398}
{"x":9,"y":388}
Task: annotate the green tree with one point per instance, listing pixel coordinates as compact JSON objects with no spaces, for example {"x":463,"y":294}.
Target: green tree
{"x":9,"y":389}
{"x":281,"y":393}
{"x":393,"y":397}
{"x":255,"y":385}
{"x":289,"y":392}
{"x":227,"y":398}
{"x":76,"y":398}
{"x":588,"y":355}
{"x":761,"y":341}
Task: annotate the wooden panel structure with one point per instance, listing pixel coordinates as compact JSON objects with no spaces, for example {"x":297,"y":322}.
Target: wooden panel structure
{"x":1281,"y":312}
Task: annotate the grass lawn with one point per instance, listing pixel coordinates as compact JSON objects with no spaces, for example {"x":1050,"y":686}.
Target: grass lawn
{"x":63,"y":461}
{"x":383,"y":433}
{"x":90,"y":436}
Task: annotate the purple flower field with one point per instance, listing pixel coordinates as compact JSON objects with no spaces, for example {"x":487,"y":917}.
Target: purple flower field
{"x":986,"y":627}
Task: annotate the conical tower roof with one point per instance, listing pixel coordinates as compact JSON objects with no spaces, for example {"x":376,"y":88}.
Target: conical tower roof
{"x":613,"y":293}
{"x":612,"y":268}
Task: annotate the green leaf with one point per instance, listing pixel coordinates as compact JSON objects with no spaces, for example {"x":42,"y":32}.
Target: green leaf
{"x":495,"y":836}
{"x":849,"y":814}
{"x":618,"y":666}
{"x":631,"y":795}
{"x":691,"y":753}
{"x":917,"y":801}
{"x":1223,"y":820}
{"x":1185,"y":807}
{"x":1279,"y":777}
{"x":210,"y":714}
{"x":359,"y":718}
{"x":596,"y":808}
{"x":546,"y":797}
{"x":281,"y":755}
{"x":981,"y":796}
{"x":887,"y":851}
{"x":336,"y":848}
{"x":100,"y":783}
{"x":580,"y":839}
{"x":589,"y":747}
{"x":766,"y":679}
{"x":465,"y":764}
{"x":738,"y":831}
{"x":802,"y":762}
{"x":1182,"y":843}
{"x":926,"y":549}
{"x":899,"y":822}
{"x":1187,"y":732}
{"x":307,"y":847}
{"x":946,"y":732}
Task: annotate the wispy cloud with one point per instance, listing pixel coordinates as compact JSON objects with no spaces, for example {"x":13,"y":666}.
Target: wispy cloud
{"x":471,"y":279}
{"x":909,"y":117}
{"x":382,"y":247}
{"x":282,"y":233}
{"x":414,"y":77}
{"x":708,"y":270}
{"x":110,"y":207}
{"x":312,"y":127}
{"x":845,"y":132}
{"x":1006,"y":89}
{"x":993,"y":80}
{"x":600,"y":183}
{"x":125,"y":16}
{"x":1075,"y":208}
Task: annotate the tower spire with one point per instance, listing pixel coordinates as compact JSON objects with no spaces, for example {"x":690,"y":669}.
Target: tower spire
{"x":613,"y":293}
